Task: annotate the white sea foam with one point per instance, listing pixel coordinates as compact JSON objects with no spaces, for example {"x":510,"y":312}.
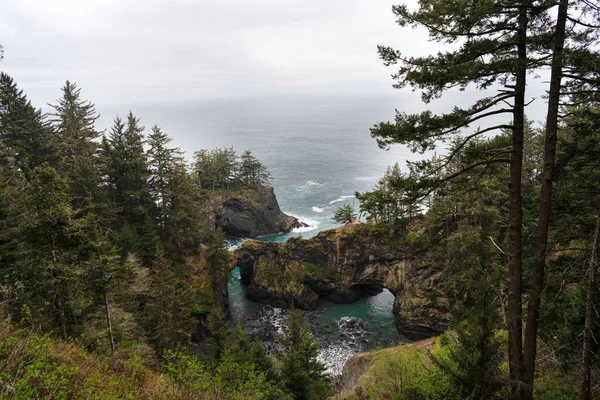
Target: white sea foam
{"x":308,"y":186}
{"x":318,"y":209}
{"x":312,"y":224}
{"x":340,"y":199}
{"x":334,"y":356}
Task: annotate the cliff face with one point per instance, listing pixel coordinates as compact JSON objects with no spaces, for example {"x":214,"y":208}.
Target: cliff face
{"x":249,"y":213}
{"x":343,"y":265}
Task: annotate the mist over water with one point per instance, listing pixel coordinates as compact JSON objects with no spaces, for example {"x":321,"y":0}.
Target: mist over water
{"x":319,"y":151}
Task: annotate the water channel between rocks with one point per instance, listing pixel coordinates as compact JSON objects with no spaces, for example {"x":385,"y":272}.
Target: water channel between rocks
{"x":342,"y":330}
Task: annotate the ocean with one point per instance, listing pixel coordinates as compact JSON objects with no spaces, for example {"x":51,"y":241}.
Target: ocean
{"x":319,"y":152}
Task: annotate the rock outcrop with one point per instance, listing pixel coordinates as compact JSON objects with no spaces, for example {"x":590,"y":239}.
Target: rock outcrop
{"x":249,"y":213}
{"x":343,"y":265}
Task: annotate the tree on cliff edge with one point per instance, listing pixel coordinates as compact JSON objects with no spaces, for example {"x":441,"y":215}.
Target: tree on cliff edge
{"x":302,"y":374}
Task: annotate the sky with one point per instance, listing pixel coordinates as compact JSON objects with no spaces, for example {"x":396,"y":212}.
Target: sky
{"x":153,"y":51}
{"x":127,"y":50}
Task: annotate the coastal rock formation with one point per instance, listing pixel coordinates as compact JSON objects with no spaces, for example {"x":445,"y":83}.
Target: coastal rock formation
{"x":249,"y":213}
{"x":343,"y":265}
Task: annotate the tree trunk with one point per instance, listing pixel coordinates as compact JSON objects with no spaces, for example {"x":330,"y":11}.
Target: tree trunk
{"x":543,"y":223}
{"x":515,"y":211}
{"x":585,"y":393}
{"x":109,"y":324}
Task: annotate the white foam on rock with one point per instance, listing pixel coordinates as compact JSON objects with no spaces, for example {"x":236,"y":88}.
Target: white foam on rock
{"x":312,"y":224}
{"x":340,"y":199}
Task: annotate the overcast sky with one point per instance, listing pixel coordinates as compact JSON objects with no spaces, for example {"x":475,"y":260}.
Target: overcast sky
{"x":154,"y":50}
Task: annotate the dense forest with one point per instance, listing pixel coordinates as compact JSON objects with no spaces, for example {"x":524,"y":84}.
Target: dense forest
{"x":108,"y":269}
{"x":104,"y":246}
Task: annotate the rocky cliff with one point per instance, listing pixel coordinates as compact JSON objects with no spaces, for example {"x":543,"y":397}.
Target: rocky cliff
{"x":343,"y":265}
{"x":249,"y":213}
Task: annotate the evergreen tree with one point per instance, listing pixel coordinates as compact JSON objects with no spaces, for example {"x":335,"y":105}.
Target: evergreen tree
{"x":576,"y":220}
{"x":493,"y":49}
{"x":251,"y":172}
{"x":12,"y":200}
{"x":464,"y":220}
{"x":217,"y":336}
{"x":104,"y":274}
{"x":162,"y":160}
{"x":183,"y":220}
{"x":49,"y":263}
{"x":302,"y":374}
{"x":244,"y":350}
{"x":78,"y":147}
{"x":23,"y":128}
{"x":168,"y":315}
{"x":216,"y":169}
{"x":218,"y":260}
{"x":126,"y":172}
{"x":344,"y":214}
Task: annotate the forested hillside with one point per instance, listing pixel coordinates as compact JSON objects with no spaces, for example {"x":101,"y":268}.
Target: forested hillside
{"x":113,"y":278}
{"x":104,"y":243}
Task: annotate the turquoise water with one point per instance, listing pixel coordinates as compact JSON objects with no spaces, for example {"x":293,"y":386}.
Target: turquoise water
{"x":342,"y":330}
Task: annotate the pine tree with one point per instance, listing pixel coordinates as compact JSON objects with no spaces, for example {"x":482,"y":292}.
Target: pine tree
{"x":474,"y":272}
{"x":344,"y":214}
{"x":23,"y":128}
{"x":576,"y":211}
{"x":183,"y":222}
{"x":217,"y":336}
{"x":218,"y":260}
{"x":494,"y":49}
{"x":302,"y":374}
{"x":78,"y":147}
{"x":104,"y":274}
{"x":167,"y":317}
{"x":161,"y":161}
{"x":49,"y":261}
{"x":251,"y":172}
{"x":12,"y":200}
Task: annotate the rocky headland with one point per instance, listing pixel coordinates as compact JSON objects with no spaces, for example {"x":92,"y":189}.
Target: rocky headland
{"x":343,"y":265}
{"x":249,"y":213}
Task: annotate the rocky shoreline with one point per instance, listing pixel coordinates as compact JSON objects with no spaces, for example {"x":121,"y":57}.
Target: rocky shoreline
{"x":342,"y":265}
{"x":249,"y":213}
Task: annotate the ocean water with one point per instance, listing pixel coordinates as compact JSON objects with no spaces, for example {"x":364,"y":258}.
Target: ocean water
{"x":318,"y":148}
{"x":319,"y":151}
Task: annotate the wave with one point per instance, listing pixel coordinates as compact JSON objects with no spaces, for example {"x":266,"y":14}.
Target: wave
{"x":340,"y":199}
{"x":233,"y":243}
{"x":312,"y":224}
{"x":318,"y":209}
{"x":309,"y":185}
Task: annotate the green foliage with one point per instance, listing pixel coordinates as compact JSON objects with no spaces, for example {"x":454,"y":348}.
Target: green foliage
{"x":230,"y":379}
{"x":35,"y":366}
{"x":78,"y":148}
{"x":220,"y":169}
{"x":217,"y":336}
{"x":392,"y":201}
{"x":408,"y":372}
{"x":251,"y":172}
{"x":23,"y":129}
{"x":301,"y":373}
{"x":344,"y":214}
